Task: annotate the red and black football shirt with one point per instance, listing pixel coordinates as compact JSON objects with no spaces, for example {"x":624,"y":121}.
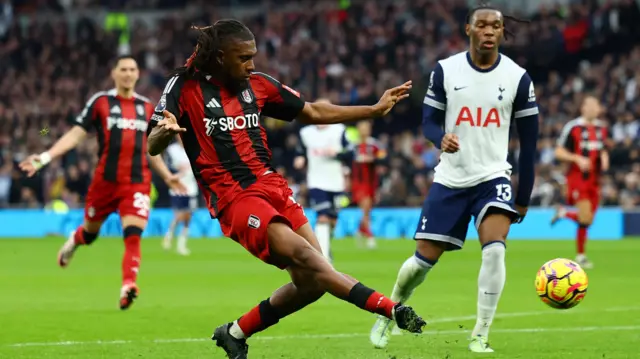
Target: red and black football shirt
{"x":121,"y":124}
{"x":587,"y":139}
{"x":225,"y":140}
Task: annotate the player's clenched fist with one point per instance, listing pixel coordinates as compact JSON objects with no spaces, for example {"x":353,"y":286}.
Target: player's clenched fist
{"x":450,"y":143}
{"x":169,"y":123}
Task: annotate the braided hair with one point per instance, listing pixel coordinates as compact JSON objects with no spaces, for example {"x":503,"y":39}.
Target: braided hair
{"x":211,"y":39}
{"x":485,"y":6}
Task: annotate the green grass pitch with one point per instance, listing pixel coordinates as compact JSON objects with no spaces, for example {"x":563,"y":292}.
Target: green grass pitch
{"x":48,"y":312}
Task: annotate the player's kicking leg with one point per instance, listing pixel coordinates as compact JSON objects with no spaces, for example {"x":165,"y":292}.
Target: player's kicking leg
{"x":583,"y":217}
{"x":311,"y":274}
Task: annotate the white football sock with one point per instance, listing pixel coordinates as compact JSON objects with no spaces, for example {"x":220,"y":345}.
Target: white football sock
{"x":491,"y":279}
{"x":236,"y":331}
{"x":323,"y":233}
{"x":172,"y":229}
{"x":412,"y":273}
{"x":182,"y":239}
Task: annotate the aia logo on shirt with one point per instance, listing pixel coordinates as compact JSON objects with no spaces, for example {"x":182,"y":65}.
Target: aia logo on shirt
{"x":478,"y":118}
{"x":254,"y":222}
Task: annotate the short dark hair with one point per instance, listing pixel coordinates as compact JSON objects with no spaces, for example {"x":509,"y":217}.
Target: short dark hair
{"x":122,"y":57}
{"x":210,"y":40}
{"x":486,"y":6}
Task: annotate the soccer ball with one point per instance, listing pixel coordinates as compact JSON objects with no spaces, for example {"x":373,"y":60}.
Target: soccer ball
{"x":561,"y":283}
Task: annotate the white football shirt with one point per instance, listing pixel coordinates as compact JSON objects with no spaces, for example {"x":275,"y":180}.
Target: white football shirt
{"x":480,"y":106}
{"x":324,"y":170}
{"x":178,"y":160}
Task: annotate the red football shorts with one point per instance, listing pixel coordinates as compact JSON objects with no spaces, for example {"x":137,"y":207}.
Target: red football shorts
{"x":579,"y":190}
{"x":246,"y":218}
{"x":360,"y":191}
{"x":104,"y":198}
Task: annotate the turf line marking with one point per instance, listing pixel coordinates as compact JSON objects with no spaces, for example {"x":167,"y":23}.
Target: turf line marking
{"x":329,"y":336}
{"x":355,"y":335}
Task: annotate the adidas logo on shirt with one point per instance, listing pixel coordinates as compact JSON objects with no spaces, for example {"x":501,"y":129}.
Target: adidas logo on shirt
{"x":116,"y":109}
{"x":213,"y":103}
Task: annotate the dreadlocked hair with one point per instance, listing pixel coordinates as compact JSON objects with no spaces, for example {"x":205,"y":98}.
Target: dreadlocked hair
{"x":486,"y":6}
{"x":211,"y":39}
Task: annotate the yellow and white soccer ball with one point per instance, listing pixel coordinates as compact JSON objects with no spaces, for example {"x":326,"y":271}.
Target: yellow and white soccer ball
{"x":561,"y":283}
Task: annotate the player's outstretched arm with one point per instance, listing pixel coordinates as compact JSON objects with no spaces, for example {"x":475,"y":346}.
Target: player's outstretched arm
{"x":162,"y":133}
{"x":66,"y":143}
{"x":322,"y":113}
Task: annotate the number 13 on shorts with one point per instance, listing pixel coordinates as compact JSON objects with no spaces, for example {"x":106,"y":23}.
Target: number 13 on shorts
{"x":504,"y":193}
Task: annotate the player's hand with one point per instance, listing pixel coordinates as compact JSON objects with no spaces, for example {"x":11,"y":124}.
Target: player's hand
{"x":176,"y":185}
{"x":583,"y":163}
{"x":169,"y":123}
{"x":298,"y":162}
{"x":390,"y":98}
{"x":522,"y":212}
{"x":450,"y":143}
{"x":31,"y":165}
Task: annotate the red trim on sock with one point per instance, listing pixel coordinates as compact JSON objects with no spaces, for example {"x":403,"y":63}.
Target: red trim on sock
{"x":379,"y":304}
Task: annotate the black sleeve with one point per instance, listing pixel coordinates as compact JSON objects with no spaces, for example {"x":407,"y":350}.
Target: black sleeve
{"x":87,"y":117}
{"x":283,"y":103}
{"x":170,"y":101}
{"x":566,"y":139}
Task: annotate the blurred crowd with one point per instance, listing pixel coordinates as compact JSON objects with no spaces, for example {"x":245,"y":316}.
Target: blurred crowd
{"x":340,"y":50}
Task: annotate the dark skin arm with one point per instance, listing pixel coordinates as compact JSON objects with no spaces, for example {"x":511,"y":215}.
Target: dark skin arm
{"x":322,"y":113}
{"x":161,"y":135}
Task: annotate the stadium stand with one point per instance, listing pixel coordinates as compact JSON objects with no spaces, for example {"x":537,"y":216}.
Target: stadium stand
{"x":346,"y":52}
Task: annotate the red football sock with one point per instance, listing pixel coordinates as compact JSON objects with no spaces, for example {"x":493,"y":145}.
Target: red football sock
{"x":371,"y":301}
{"x":572,"y":215}
{"x":258,"y":319}
{"x":581,"y":239}
{"x":365,"y":229}
{"x":131,"y":258}
{"x":82,"y":237}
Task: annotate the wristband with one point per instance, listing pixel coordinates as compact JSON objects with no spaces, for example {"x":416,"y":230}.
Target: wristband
{"x":45,"y":158}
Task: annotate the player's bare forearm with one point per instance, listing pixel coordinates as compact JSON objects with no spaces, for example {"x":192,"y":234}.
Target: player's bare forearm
{"x":157,"y":164}
{"x":604,"y":160}
{"x":320,"y":113}
{"x":67,"y":142}
{"x":158,"y":141}
{"x":564,"y":155}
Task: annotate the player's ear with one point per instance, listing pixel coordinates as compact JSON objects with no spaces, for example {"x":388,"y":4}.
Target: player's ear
{"x":467,"y":29}
{"x":220,"y":58}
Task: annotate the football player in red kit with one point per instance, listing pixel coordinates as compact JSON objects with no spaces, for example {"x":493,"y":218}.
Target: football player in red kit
{"x":582,"y":144}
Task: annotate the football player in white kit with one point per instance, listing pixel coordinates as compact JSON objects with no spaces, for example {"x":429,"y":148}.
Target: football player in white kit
{"x":183,"y":205}
{"x":476,"y":96}
{"x":323,"y":148}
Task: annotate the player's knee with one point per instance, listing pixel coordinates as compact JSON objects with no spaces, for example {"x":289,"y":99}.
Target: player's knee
{"x":132,"y":233}
{"x":324,"y":219}
{"x":430,"y":251}
{"x":585,"y":219}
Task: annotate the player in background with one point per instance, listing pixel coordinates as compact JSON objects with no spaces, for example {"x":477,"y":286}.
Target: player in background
{"x":215,"y":102}
{"x":582,"y":144}
{"x":472,"y":101}
{"x":183,"y":205}
{"x":364,"y":178}
{"x":122,"y":180}
{"x":322,"y":148}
